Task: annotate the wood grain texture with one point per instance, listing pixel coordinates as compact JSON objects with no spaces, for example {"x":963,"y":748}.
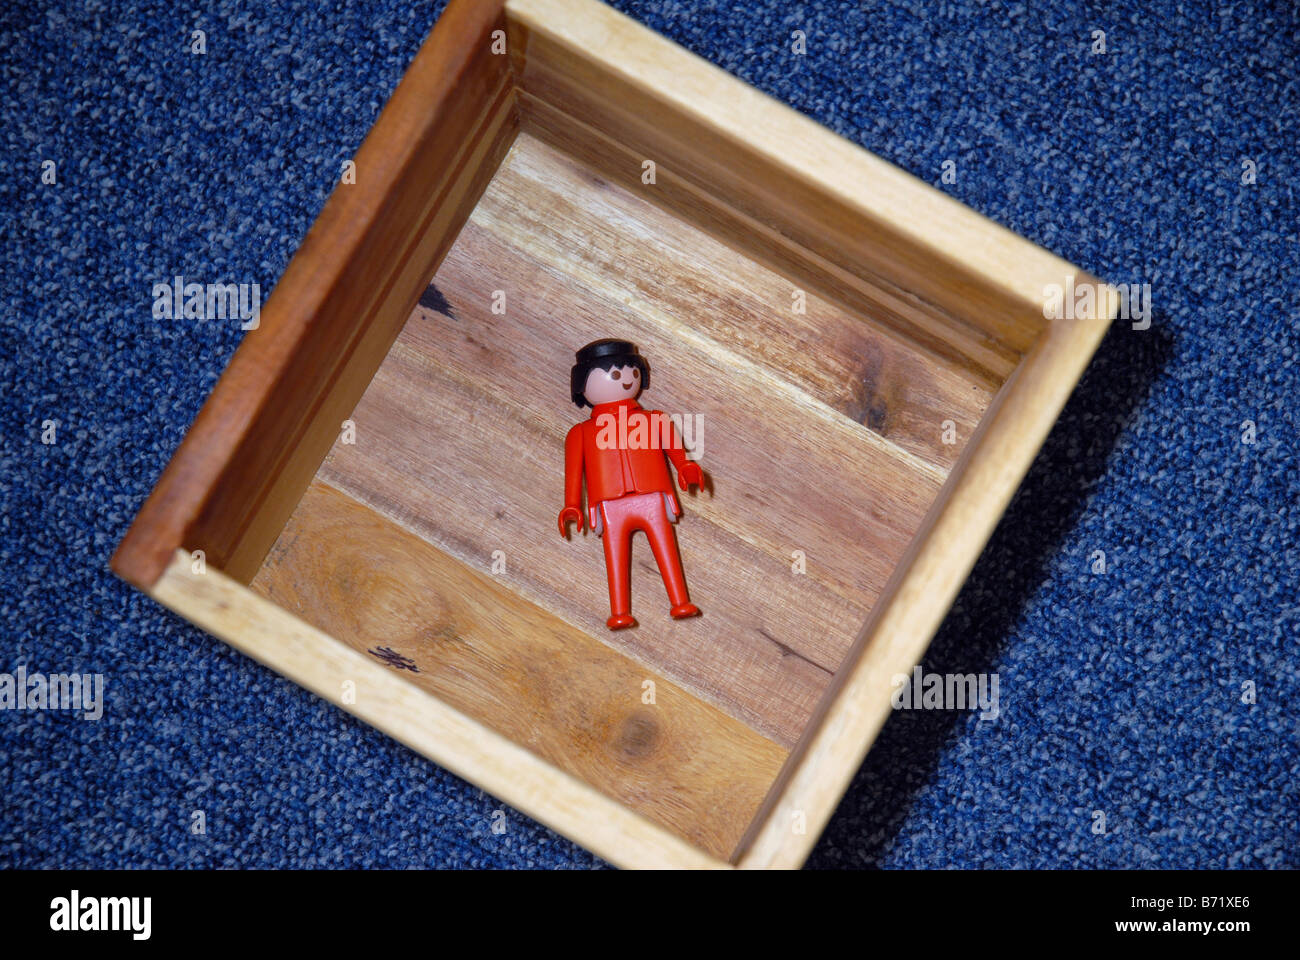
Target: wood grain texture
{"x":781,"y":169}
{"x":261,"y":435}
{"x":476,"y":645}
{"x":918,"y":597}
{"x":847,"y":360}
{"x":460,"y":437}
{"x":383,"y":698}
{"x":299,"y":458}
{"x":970,"y":354}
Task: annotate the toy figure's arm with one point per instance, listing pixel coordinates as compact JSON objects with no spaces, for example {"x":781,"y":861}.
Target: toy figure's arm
{"x":688,"y":471}
{"x":572,"y":482}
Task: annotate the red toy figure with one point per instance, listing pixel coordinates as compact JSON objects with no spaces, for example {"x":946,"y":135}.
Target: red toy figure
{"x":621,"y":450}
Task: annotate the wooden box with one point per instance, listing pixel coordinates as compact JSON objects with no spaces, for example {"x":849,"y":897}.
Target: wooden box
{"x":375,"y":480}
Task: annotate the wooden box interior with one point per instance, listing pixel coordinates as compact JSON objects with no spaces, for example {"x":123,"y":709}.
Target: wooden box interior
{"x":822,"y":432}
{"x":838,"y":366}
{"x":822,"y":421}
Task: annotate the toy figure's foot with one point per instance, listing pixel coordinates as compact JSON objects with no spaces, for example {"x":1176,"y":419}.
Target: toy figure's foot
{"x":620,"y":620}
{"x":683,"y":610}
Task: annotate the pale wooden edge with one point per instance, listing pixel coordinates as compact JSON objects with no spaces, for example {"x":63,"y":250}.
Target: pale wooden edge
{"x":861,"y":181}
{"x":920,"y":593}
{"x":313,"y":659}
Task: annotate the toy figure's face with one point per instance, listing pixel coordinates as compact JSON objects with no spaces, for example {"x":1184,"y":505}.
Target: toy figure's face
{"x":617,"y":383}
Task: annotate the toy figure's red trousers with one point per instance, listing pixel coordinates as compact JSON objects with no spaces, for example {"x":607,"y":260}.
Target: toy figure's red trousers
{"x":620,"y":519}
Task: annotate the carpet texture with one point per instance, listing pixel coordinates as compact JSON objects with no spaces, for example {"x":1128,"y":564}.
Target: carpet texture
{"x":1126,"y":736}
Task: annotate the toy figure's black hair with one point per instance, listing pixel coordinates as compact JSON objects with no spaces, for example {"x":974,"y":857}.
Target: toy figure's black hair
{"x":605,"y":355}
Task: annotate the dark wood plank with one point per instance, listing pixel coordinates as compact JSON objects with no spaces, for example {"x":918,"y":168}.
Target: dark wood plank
{"x":273,"y":415}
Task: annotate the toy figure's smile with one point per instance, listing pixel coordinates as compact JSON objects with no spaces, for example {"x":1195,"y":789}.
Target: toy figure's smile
{"x":616,"y":383}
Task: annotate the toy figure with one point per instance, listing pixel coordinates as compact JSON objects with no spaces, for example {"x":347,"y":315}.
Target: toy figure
{"x":621,"y":451}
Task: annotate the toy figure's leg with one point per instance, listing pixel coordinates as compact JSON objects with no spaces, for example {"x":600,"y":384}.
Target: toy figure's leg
{"x":618,"y":564}
{"x":659,"y":531}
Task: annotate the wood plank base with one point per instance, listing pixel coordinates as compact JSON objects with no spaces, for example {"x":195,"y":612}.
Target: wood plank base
{"x":468,"y":639}
{"x":429,"y":533}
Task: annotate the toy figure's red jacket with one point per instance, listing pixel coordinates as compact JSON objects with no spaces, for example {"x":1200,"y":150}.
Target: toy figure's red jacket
{"x":621,"y":449}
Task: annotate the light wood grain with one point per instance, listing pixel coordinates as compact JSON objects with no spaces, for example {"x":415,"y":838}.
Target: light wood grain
{"x":300,"y":457}
{"x":470,"y":640}
{"x":947,"y":342}
{"x":579,"y":221}
{"x":385,"y":699}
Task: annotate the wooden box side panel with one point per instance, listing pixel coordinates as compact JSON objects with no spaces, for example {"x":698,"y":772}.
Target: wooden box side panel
{"x":260,"y":437}
{"x":918,"y":597}
{"x":778,"y":185}
{"x":267,"y":633}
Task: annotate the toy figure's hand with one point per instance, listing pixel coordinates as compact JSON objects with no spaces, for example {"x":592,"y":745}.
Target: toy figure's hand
{"x":689,"y":474}
{"x":569,"y":514}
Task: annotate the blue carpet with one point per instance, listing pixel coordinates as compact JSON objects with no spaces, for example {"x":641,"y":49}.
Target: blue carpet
{"x":1121,"y":693}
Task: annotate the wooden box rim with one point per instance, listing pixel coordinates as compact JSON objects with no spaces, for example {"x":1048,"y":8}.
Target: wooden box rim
{"x":154,"y":554}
